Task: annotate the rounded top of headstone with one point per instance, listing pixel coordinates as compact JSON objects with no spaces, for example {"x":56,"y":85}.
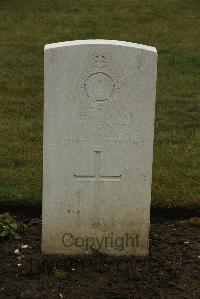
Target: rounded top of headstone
{"x":100,"y":42}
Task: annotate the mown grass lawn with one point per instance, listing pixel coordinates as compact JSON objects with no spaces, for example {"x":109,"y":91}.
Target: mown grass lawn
{"x":172,"y":26}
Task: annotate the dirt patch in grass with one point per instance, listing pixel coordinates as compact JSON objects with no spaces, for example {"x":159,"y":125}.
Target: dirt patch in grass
{"x":171,"y":270}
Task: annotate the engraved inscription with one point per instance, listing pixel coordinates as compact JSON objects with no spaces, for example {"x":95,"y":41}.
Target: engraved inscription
{"x":97,"y":178}
{"x":99,"y":85}
{"x":103,"y":128}
{"x":100,"y":60}
{"x":141,"y":61}
{"x":100,"y":116}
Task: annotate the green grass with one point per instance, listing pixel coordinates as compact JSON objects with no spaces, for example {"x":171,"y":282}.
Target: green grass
{"x":195,"y":221}
{"x":170,"y":25}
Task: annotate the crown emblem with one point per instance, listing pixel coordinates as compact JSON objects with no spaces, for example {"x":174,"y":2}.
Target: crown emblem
{"x":99,"y":60}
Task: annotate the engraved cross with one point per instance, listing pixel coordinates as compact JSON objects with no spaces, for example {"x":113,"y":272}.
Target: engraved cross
{"x":97,"y":178}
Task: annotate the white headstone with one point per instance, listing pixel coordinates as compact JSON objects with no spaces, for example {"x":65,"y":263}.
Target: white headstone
{"x":98,"y":147}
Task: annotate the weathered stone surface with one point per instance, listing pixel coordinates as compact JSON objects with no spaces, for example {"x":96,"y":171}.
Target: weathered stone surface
{"x":98,"y":147}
